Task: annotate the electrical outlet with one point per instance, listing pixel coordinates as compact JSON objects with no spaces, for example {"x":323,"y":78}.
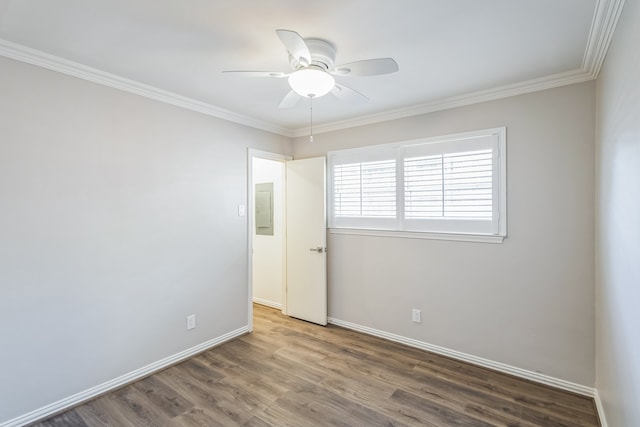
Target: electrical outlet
{"x":191,"y":322}
{"x":416,"y":316}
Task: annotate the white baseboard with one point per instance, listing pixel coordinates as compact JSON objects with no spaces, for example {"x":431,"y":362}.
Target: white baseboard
{"x":93,"y":392}
{"x":268,"y":303}
{"x":485,"y":363}
{"x":600,"y":409}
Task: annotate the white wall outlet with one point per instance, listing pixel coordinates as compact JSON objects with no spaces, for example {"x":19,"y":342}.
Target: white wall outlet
{"x":241,"y":210}
{"x":191,"y":322}
{"x":416,"y":316}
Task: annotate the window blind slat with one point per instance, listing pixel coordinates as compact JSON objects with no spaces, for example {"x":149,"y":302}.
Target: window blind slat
{"x":366,"y":189}
{"x":450,"y":185}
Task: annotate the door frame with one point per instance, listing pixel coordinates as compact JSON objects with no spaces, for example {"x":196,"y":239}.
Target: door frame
{"x":259,"y":154}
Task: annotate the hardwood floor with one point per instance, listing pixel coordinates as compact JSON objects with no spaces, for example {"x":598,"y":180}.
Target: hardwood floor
{"x":292,"y":373}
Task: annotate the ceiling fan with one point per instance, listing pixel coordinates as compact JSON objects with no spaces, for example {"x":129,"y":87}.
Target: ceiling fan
{"x":313,"y":67}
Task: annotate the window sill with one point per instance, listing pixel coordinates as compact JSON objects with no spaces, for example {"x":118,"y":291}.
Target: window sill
{"x":477,"y":238}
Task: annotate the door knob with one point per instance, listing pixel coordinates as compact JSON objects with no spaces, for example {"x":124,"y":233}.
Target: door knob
{"x":319,"y":249}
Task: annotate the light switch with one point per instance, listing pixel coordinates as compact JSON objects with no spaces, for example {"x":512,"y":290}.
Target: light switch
{"x":241,"y":210}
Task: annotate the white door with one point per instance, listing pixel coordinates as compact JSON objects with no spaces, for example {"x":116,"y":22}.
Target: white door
{"x":306,"y":240}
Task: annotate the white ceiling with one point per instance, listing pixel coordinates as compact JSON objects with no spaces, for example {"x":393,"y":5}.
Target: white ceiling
{"x":450,"y":52}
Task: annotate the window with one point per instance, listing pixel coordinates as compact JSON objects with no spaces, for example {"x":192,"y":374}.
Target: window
{"x":452,"y":185}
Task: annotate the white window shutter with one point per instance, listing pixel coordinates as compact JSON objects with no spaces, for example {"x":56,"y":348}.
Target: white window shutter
{"x":468,"y":185}
{"x":365,"y":189}
{"x":453,"y":184}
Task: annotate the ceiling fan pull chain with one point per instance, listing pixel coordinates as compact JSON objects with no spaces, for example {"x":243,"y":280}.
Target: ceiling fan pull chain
{"x":311,"y":115}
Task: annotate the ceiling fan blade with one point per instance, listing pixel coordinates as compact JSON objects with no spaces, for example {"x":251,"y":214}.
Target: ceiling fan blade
{"x":290,"y":100}
{"x":296,"y":46}
{"x":277,"y":74}
{"x":349,"y":95}
{"x":368,"y":67}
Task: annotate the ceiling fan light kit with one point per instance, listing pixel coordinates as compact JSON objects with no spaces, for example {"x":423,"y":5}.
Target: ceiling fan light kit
{"x":311,"y":82}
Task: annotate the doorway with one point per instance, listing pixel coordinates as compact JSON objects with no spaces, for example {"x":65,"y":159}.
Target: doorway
{"x":287,"y":235}
{"x":267,"y":230}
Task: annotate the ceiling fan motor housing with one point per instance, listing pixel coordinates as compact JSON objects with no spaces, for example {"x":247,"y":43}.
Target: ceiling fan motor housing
{"x":323,"y":54}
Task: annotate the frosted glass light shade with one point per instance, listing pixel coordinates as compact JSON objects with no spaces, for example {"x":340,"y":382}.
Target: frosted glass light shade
{"x":311,"y":82}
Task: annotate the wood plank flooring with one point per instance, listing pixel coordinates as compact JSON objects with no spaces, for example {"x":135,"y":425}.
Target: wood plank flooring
{"x":292,"y":373}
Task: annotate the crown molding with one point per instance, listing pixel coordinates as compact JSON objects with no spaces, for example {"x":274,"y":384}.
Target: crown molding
{"x":42,"y":59}
{"x":605,"y":19}
{"x":534,"y":85}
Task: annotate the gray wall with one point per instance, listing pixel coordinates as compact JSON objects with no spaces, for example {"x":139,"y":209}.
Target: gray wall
{"x":528,"y":302}
{"x":118,"y":218}
{"x":618,"y":224}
